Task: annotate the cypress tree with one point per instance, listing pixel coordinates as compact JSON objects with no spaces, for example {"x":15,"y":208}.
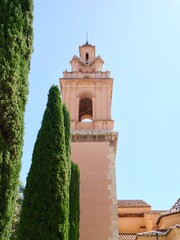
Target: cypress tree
{"x":74,"y":180}
{"x":74,"y":204}
{"x":17,"y":211}
{"x":16,"y":39}
{"x":67,"y":126}
{"x":45,"y":208}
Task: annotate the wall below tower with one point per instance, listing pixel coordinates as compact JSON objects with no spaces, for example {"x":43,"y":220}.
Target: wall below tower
{"x":94,"y":152}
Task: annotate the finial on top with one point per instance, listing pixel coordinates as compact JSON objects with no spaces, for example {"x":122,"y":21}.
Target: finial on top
{"x":87,"y":38}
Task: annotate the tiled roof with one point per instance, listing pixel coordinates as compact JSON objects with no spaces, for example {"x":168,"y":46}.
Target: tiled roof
{"x":176,"y":206}
{"x":162,"y":232}
{"x":153,"y":233}
{"x":127,"y":236}
{"x":175,"y":209}
{"x":167,"y":214}
{"x":132,"y":203}
{"x":158,"y":211}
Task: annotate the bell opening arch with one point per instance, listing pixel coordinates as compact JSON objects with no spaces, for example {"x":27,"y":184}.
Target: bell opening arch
{"x":86,"y":107}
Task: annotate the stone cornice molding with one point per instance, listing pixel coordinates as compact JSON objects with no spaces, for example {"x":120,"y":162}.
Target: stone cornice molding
{"x":89,"y":81}
{"x":91,"y":74}
{"x":95,"y":136}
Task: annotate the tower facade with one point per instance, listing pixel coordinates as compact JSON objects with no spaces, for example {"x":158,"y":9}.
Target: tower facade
{"x":87,"y":93}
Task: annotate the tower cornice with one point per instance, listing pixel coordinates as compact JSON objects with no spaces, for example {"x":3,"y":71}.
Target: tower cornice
{"x":95,"y":136}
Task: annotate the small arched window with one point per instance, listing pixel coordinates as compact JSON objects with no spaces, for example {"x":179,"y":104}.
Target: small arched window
{"x":85,"y":110}
{"x":87,"y":58}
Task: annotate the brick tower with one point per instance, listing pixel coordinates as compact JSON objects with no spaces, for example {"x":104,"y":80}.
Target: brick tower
{"x":87,"y":92}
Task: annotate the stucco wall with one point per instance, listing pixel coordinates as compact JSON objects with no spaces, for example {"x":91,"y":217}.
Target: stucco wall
{"x":131,"y":224}
{"x":133,"y":210}
{"x":168,"y":221}
{"x":174,"y":234}
{"x":96,"y":159}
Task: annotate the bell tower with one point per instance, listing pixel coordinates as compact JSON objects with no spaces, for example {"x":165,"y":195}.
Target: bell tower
{"x":87,"y":92}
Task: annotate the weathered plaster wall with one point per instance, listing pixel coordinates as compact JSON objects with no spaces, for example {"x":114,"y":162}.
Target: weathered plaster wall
{"x":95,"y":154}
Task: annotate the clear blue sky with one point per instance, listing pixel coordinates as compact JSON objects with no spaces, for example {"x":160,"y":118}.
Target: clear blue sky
{"x":139,"y":40}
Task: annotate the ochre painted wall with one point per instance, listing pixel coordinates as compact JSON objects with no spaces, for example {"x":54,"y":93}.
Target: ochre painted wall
{"x":131,"y":224}
{"x":168,"y":221}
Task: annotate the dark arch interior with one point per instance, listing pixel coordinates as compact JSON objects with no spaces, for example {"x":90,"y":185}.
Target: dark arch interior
{"x":87,"y":58}
{"x":85,"y":108}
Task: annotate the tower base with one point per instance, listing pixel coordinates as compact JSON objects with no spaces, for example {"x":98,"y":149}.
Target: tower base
{"x":95,"y":152}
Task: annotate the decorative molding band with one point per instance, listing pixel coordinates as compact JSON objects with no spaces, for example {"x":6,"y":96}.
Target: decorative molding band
{"x":95,"y":136}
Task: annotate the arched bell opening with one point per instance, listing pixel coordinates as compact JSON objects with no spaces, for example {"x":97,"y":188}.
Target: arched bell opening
{"x":87,"y":58}
{"x":85,"y":110}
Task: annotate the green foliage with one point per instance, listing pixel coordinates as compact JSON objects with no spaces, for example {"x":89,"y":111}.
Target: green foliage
{"x":16,"y":39}
{"x":16,"y":215}
{"x":74,"y":178}
{"x":74,"y":203}
{"x":67,"y":126}
{"x":45,"y":209}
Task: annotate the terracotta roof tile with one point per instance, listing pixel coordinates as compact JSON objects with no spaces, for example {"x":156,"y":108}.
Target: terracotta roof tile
{"x":176,"y":206}
{"x":127,"y":236}
{"x":169,"y":213}
{"x":153,"y":233}
{"x":132,"y":203}
{"x":161,"y":232}
{"x":175,"y":209}
{"x":157,"y":211}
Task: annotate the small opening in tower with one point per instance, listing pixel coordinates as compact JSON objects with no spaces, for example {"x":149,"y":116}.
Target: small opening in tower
{"x":87,"y":58}
{"x":85,"y":110}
